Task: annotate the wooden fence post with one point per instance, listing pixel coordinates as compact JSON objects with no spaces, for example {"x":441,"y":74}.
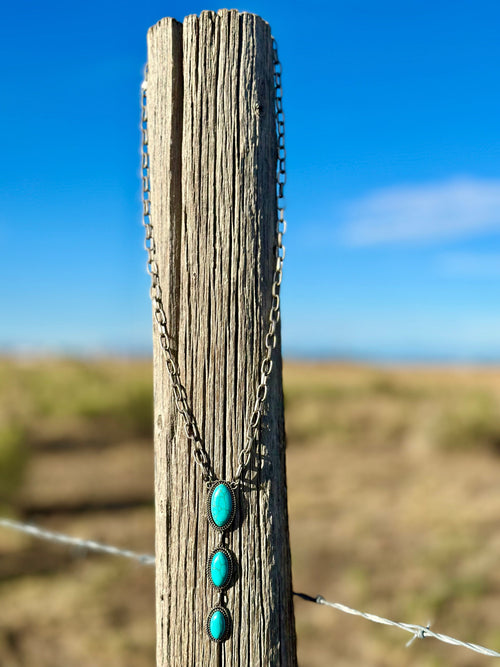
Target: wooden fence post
{"x":212,"y":146}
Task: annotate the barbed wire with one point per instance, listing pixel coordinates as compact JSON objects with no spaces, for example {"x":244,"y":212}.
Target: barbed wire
{"x":91,"y":545}
{"x":418,"y":631}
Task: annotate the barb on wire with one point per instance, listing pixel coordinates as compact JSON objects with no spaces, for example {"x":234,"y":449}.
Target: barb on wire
{"x":418,"y":631}
{"x":91,"y":545}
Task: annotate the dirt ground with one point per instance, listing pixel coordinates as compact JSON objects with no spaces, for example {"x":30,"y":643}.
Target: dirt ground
{"x":394,"y":501}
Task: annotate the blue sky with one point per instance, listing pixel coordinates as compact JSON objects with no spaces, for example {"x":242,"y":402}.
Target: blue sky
{"x":393,"y":144}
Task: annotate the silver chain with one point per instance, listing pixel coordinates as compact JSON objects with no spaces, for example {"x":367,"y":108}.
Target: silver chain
{"x":200,"y":454}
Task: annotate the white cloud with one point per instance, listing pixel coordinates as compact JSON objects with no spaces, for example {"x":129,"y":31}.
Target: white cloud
{"x":453,"y":209}
{"x":470,"y":264}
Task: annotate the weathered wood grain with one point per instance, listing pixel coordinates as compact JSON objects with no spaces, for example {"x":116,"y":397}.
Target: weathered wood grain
{"x":212,"y":147}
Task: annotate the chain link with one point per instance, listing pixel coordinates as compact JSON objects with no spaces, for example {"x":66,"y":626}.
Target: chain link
{"x":180,"y":396}
{"x":200,"y":454}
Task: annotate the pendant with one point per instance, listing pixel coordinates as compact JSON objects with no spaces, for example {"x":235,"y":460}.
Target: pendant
{"x":220,"y":568}
{"x":221,"y":506}
{"x":218,"y":624}
{"x":221,"y":510}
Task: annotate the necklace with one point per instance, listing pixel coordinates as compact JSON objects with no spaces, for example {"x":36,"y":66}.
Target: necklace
{"x":221,"y":498}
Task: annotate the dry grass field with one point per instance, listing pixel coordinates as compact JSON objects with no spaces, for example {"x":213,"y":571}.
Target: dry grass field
{"x":394,"y":497}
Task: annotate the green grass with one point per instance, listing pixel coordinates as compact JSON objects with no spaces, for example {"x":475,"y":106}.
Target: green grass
{"x":13,"y":459}
{"x":71,"y":401}
{"x":116,"y":396}
{"x":470,"y":421}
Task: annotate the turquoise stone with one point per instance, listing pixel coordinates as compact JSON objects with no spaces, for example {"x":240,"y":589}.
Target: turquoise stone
{"x":219,"y":569}
{"x":217,"y":625}
{"x":221,"y":505}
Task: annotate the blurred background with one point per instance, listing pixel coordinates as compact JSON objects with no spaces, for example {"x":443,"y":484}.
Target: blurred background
{"x":391,"y":326}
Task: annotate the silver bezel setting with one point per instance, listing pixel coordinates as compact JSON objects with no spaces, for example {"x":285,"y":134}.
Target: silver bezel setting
{"x":227,"y":630}
{"x":224,"y":527}
{"x":229,"y":577}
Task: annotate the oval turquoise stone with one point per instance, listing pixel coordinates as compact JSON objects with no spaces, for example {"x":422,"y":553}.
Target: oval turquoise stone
{"x":221,"y":505}
{"x":217,"y":624}
{"x":219,"y":568}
